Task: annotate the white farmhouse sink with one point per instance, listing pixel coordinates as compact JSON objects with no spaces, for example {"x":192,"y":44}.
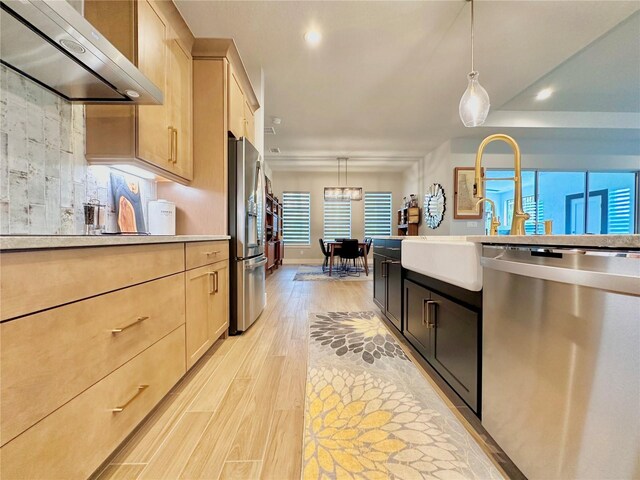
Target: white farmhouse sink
{"x":452,"y":259}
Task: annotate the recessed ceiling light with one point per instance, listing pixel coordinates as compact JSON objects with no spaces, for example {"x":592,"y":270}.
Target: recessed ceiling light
{"x":276,"y":120}
{"x":544,"y":94}
{"x":313,"y":37}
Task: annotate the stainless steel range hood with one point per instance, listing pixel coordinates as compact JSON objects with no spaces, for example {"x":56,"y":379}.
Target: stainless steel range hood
{"x":52,"y":44}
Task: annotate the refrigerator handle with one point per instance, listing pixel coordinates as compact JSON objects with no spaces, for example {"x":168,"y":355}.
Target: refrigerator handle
{"x":259,"y":189}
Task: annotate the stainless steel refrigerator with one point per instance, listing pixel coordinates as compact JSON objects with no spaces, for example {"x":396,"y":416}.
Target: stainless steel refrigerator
{"x":246,"y":214}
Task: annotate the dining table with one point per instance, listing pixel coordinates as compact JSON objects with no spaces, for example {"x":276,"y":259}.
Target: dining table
{"x":333,"y":246}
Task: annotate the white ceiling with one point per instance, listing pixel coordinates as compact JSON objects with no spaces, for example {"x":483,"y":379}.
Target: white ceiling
{"x":383,"y":86}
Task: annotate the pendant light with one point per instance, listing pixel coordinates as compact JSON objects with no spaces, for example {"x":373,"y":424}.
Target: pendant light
{"x":343,"y":194}
{"x":474,"y":104}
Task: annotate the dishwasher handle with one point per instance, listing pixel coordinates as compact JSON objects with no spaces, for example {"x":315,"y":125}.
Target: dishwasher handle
{"x":601,"y":280}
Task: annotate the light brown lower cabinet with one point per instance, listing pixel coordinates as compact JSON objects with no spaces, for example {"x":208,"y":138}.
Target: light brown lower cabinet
{"x":207,"y":308}
{"x":50,"y":357}
{"x":78,"y":377}
{"x":75,"y":439}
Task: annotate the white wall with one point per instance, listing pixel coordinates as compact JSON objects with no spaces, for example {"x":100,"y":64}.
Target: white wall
{"x":315,"y":182}
{"x":552,"y":154}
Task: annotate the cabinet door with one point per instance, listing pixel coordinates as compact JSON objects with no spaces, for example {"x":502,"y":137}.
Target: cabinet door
{"x":271,"y":254}
{"x":394,"y":293}
{"x":455,"y":346}
{"x":154,"y":135}
{"x":236,"y":106}
{"x":199,"y":310}
{"x":417,"y":328}
{"x":219,"y":313}
{"x":180,"y":88}
{"x":249,"y":123}
{"x":380,"y":282}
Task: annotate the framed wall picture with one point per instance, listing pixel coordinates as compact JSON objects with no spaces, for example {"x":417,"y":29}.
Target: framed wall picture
{"x":464,"y":205}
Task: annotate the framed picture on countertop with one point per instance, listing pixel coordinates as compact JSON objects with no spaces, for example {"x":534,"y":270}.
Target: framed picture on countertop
{"x":464,"y":204}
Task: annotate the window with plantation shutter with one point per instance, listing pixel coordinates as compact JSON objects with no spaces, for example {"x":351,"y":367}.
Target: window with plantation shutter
{"x":337,"y":220}
{"x":296,"y":215}
{"x":377,"y":213}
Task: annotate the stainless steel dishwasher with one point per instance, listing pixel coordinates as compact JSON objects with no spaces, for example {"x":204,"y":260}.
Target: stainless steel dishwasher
{"x":561,"y":360}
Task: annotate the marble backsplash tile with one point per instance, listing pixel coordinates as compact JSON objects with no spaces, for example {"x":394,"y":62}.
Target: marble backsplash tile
{"x":44,"y":176}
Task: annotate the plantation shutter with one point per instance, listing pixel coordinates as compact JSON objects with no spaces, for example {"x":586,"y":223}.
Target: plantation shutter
{"x":296,"y":214}
{"x":377,"y":213}
{"x":337,"y":220}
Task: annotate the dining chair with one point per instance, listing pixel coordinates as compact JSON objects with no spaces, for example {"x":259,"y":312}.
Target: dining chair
{"x":326,"y":254}
{"x":349,"y":251}
{"x":364,"y":251}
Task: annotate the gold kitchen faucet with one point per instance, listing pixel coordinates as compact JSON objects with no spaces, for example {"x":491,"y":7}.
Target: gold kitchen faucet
{"x":519,"y":216}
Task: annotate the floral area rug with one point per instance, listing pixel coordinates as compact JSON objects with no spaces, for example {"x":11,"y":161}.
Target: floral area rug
{"x":309,"y":273}
{"x":371,"y":415}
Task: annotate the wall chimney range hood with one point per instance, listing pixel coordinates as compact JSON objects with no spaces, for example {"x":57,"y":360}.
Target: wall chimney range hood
{"x":49,"y":42}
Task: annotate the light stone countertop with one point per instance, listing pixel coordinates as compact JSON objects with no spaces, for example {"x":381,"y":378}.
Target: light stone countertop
{"x":34,"y":242}
{"x":594,"y":241}
{"x":390,"y":237}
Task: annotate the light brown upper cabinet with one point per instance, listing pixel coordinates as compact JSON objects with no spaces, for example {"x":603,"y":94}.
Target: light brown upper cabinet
{"x":153,"y":120}
{"x":241,"y":115}
{"x":180,"y":115}
{"x":153,"y":36}
{"x":236,"y":106}
{"x":249,"y":123}
{"x":225,"y":104}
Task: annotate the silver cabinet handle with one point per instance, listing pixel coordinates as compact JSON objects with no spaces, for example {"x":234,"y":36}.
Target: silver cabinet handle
{"x":424,"y":303}
{"x":426,"y":313}
{"x":430,"y":323}
{"x":384,"y":274}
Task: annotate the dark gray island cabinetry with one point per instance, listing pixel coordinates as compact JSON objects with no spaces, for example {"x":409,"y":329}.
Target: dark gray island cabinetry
{"x":387,"y":279}
{"x":443,"y":323}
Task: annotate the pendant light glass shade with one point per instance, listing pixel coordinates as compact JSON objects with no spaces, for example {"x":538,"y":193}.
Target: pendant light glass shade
{"x":343,"y":194}
{"x":474,"y":104}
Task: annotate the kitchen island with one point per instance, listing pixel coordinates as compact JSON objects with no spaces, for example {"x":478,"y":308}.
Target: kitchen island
{"x":539,"y":336}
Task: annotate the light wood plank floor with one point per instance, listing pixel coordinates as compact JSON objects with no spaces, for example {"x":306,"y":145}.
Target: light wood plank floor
{"x":238,"y":413}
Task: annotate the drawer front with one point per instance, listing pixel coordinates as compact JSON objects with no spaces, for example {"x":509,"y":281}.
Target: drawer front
{"x":37,"y":280}
{"x":393,"y":249}
{"x":379,"y":246}
{"x":205,"y":253}
{"x":74,"y":440}
{"x":50,"y":357}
